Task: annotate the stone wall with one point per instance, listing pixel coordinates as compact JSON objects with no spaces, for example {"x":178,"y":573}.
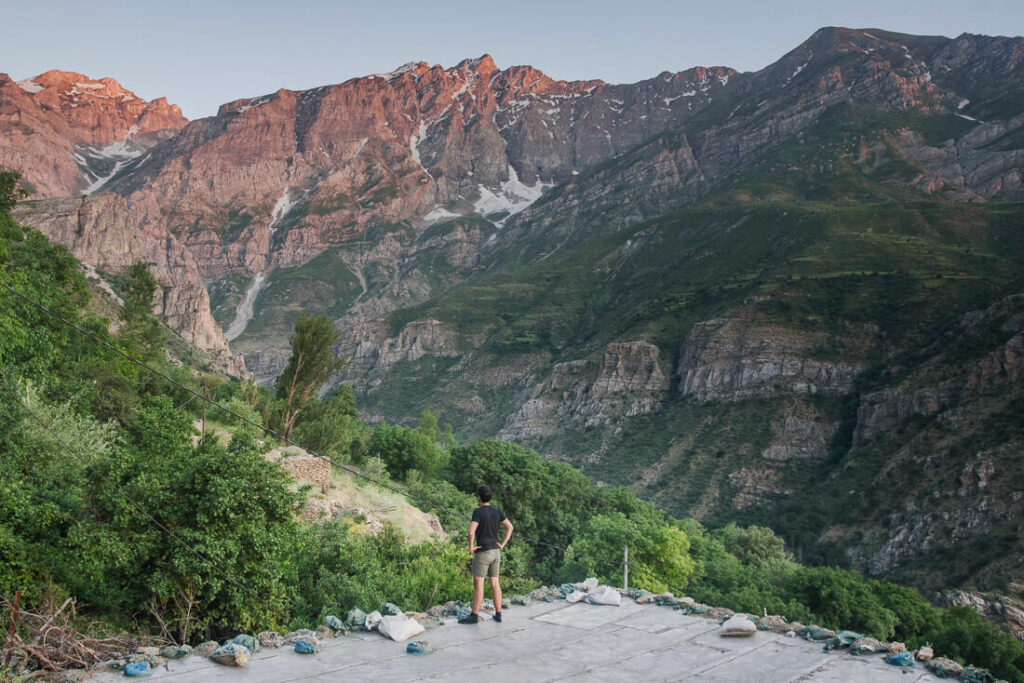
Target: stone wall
{"x":316,"y":471}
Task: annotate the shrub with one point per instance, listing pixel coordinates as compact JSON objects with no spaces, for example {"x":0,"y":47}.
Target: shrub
{"x":404,"y":449}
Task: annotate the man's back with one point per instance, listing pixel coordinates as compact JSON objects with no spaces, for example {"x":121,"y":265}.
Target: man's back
{"x":488,"y":519}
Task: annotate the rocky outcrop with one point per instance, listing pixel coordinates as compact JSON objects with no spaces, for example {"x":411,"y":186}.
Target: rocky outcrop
{"x":943,"y":431}
{"x":102,"y":233}
{"x":65,"y":132}
{"x":728,"y":360}
{"x":936,"y":389}
{"x":629,"y":379}
{"x":1002,"y":609}
{"x":800,"y":438}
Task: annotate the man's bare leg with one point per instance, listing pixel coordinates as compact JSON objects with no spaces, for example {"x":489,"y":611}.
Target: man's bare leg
{"x":478,"y":593}
{"x":496,"y":593}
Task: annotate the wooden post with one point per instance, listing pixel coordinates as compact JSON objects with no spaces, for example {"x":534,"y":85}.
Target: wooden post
{"x":625,"y":568}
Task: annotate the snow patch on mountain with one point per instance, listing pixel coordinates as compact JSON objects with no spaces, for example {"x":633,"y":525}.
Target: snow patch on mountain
{"x":513,"y":197}
{"x":439,"y":214}
{"x":30,"y":86}
{"x":95,"y":162}
{"x":414,"y":142}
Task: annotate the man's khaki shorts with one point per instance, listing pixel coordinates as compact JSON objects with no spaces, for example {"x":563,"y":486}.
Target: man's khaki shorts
{"x":486,"y":563}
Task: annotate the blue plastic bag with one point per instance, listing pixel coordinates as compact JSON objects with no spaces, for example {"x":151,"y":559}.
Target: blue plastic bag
{"x":137,"y":669}
{"x":419,"y":647}
{"x":901,"y":659}
{"x":305,"y":647}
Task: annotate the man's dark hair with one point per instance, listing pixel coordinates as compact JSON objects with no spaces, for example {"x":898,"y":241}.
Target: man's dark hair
{"x":484,"y":493}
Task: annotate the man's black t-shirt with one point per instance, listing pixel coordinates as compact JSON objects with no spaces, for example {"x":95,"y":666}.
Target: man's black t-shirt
{"x":488,"y":518}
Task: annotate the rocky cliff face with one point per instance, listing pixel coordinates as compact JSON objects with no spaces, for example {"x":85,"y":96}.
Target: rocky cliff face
{"x":731,"y":360}
{"x":626,"y":379}
{"x":101,"y":232}
{"x":67,"y":133}
{"x":721,"y":289}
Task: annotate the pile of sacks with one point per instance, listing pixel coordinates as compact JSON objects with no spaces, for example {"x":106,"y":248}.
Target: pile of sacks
{"x":686,"y":605}
{"x":388,"y":620}
{"x":733,"y":625}
{"x":592,"y":592}
{"x":895,"y":653}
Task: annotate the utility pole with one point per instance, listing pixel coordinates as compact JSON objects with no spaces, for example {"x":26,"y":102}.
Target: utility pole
{"x":625,"y":568}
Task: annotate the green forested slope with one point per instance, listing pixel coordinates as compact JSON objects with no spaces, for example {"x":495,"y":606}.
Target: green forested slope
{"x":120,"y":505}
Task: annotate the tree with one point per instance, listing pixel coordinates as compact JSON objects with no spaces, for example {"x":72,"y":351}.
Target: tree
{"x":332,"y":428}
{"x":312,"y":363}
{"x":428,"y":425}
{"x":10,"y":191}
{"x":404,"y":449}
{"x":658,"y":551}
{"x":141,"y":329}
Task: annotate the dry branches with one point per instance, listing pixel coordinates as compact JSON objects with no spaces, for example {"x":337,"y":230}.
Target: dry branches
{"x":50,"y":639}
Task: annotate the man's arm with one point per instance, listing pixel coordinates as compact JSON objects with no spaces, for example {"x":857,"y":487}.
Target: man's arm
{"x":472,"y":533}
{"x":508,"y":532}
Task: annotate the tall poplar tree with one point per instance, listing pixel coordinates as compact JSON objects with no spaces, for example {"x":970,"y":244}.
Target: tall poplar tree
{"x":312,"y":363}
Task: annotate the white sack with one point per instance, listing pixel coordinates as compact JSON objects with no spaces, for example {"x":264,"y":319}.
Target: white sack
{"x":399,"y":628}
{"x":372,"y":621}
{"x":589,"y":585}
{"x":604,"y":595}
{"x":737,"y":626}
{"x":575,"y":596}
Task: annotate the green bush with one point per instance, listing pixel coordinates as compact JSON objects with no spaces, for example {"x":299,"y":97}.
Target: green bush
{"x":403,"y":450}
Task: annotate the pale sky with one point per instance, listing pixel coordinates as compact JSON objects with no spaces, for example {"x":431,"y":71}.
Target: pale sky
{"x":201,"y":53}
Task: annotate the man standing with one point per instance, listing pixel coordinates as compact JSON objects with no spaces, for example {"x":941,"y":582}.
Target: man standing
{"x":486,"y":552}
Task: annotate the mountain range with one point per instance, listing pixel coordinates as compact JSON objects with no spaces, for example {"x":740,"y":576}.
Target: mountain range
{"x":793,"y":297}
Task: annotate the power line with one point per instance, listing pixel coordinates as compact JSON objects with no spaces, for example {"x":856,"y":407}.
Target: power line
{"x":268,"y":430}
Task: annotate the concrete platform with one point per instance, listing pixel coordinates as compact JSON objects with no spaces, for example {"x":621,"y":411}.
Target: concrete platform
{"x":558,"y":642}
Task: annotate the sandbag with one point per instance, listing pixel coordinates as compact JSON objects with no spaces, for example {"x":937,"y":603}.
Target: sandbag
{"x":575,"y":596}
{"x":355,"y":620}
{"x":737,"y":626}
{"x":324,"y":632}
{"x":248,"y":641}
{"x":372,"y":621}
{"x":815,"y":632}
{"x":295,"y":636}
{"x":137,"y":669}
{"x":399,"y":628}
{"x":773,"y":623}
{"x":334,"y":623}
{"x":306,"y":647}
{"x":841,"y":640}
{"x":231,"y":654}
{"x":867,"y":646}
{"x":206,"y":649}
{"x":603,"y":595}
{"x":945,"y":668}
{"x":420,"y":647}
{"x":974,"y":674}
{"x":176,"y":651}
{"x":900,"y":659}
{"x":389,"y":609}
{"x":589,"y":584}
{"x":270,"y":639}
{"x":924,"y":653}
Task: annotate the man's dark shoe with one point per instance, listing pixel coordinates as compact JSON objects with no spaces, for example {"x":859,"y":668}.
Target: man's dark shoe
{"x":497,"y":617}
{"x":469,"y":619}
